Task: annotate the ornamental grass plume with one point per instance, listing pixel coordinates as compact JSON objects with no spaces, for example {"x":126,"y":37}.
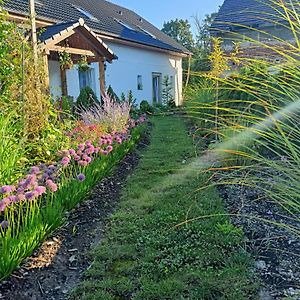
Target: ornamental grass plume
{"x":113,"y":116}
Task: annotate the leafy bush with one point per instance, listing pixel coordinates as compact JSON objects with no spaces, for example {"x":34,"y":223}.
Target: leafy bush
{"x":146,"y":108}
{"x":86,"y":98}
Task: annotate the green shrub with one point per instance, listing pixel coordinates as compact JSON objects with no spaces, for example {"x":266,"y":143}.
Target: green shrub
{"x":86,"y":98}
{"x":145,"y":107}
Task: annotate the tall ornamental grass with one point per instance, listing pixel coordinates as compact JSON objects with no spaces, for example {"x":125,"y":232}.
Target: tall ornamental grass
{"x":252,"y":113}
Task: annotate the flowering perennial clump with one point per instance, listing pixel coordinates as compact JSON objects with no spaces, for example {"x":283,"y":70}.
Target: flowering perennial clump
{"x":43,"y":178}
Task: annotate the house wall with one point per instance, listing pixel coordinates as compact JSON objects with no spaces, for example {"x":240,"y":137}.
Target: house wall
{"x":55,"y":79}
{"x":122,"y":74}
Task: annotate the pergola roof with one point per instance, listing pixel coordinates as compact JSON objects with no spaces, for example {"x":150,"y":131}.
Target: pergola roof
{"x":82,"y":40}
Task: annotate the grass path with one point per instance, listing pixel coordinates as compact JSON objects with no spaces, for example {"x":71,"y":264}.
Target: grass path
{"x":144,"y":256}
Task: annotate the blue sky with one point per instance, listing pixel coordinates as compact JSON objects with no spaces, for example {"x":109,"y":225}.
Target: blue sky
{"x":158,"y":11}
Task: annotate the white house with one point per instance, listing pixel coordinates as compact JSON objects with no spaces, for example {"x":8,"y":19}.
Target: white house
{"x":123,"y":49}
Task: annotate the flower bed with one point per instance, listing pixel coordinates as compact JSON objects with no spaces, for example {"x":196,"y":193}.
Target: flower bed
{"x":36,"y":205}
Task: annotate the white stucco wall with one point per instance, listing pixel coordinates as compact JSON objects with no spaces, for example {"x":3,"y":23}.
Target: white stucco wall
{"x":55,"y":80}
{"x":122,"y":74}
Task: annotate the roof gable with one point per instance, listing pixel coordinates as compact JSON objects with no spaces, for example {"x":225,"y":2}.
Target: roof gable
{"x":105,"y":20}
{"x":54,"y":34}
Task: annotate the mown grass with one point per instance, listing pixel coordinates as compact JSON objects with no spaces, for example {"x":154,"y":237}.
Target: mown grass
{"x":144,"y":254}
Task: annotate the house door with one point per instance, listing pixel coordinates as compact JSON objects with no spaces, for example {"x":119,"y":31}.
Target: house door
{"x":156,"y":87}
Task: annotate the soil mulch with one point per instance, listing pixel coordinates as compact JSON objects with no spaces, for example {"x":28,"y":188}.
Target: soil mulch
{"x":56,"y":267}
{"x":275,"y":249}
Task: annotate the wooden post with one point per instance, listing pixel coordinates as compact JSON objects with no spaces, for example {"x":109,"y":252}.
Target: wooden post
{"x":46,"y":67}
{"x":33,"y":30}
{"x":102,"y":76}
{"x":64,"y":88}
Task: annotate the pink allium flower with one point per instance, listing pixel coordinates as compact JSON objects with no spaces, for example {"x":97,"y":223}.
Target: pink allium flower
{"x":72,"y":152}
{"x":90,"y":150}
{"x":88,"y":143}
{"x":88,"y":160}
{"x":51,"y":185}
{"x":77,"y":158}
{"x":7,"y":189}
{"x":65,"y":161}
{"x":31,"y":195}
{"x":4,"y":203}
{"x":40,"y":190}
{"x":13,"y":199}
{"x":97,"y":149}
{"x":109,"y":149}
{"x":84,"y":157}
{"x":79,"y":152}
{"x":35,"y":170}
{"x":104,"y":152}
{"x":21,"y":197}
{"x":81,"y":147}
{"x":83,"y":163}
{"x":81,"y":177}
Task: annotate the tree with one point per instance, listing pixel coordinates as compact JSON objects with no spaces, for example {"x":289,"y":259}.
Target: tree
{"x":167,"y":94}
{"x":202,"y":47}
{"x":180,"y":30}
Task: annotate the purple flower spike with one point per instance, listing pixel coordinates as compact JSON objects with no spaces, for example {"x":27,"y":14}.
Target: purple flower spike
{"x":4,"y":224}
{"x":81,"y":177}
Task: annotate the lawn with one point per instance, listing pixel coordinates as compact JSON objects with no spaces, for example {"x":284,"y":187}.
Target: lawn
{"x":145,"y":255}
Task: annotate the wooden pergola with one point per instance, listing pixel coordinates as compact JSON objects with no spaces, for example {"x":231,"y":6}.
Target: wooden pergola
{"x":77,"y":39}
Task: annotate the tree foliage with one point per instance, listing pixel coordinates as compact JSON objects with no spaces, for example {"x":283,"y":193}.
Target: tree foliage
{"x":199,"y":45}
{"x":180,"y":30}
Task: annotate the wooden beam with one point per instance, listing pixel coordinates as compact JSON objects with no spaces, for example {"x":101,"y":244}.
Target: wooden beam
{"x":102,"y":76}
{"x":69,"y":50}
{"x":24,"y":19}
{"x":64,"y":87}
{"x":57,"y":38}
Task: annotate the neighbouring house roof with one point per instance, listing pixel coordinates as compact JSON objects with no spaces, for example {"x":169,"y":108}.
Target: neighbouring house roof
{"x":54,"y":34}
{"x":240,"y":14}
{"x":103,"y":17}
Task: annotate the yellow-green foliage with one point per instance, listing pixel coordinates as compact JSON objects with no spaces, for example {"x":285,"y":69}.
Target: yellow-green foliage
{"x":257,"y":115}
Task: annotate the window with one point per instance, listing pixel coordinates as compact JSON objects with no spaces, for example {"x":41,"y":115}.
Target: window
{"x":87,"y":78}
{"x":139,"y":82}
{"x":156,"y":88}
{"x":86,"y":13}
